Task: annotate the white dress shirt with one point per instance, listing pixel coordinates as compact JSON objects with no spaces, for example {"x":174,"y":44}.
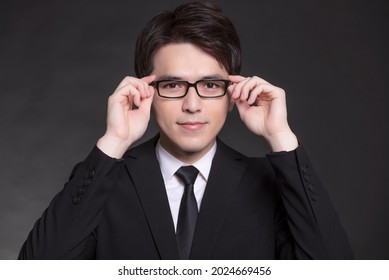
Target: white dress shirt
{"x":174,"y":187}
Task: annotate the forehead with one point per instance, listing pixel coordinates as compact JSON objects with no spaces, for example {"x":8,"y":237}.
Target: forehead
{"x":185,"y":61}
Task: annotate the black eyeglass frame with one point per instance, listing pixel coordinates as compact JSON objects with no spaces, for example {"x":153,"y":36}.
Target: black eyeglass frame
{"x":189,"y":85}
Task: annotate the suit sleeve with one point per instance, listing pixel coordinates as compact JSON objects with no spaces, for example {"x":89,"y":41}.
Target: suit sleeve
{"x":66,"y":228}
{"x":314,"y":229}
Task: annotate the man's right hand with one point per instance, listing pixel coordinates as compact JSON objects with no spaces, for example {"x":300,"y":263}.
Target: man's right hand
{"x":125,"y":124}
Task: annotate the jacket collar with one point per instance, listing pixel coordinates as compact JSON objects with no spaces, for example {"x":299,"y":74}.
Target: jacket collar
{"x":226,"y":172}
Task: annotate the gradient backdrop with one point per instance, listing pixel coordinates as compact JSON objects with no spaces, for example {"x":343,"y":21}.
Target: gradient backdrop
{"x":60,"y":60}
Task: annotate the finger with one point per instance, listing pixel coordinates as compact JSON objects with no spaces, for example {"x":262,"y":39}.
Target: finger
{"x":140,"y":84}
{"x":238,"y":78}
{"x":247,"y":87}
{"x":235,"y":78}
{"x":136,"y":98}
{"x":252,"y":84}
{"x":261,"y":80}
{"x":151,"y":90}
{"x":236,"y":94}
{"x":244,"y":87}
{"x":265,"y":92}
{"x":128,"y":94}
{"x":254,"y":94}
{"x":147,"y":80}
{"x":127,"y":80}
{"x":145,"y":105}
{"x":142,"y":89}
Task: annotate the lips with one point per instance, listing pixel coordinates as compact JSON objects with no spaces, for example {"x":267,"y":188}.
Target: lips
{"x":192,"y":126}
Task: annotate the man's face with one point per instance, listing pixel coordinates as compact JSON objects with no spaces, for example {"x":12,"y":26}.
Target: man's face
{"x":189,"y":125}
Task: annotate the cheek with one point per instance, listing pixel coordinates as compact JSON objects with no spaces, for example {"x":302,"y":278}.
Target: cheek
{"x":163,"y":112}
{"x":220,"y":109}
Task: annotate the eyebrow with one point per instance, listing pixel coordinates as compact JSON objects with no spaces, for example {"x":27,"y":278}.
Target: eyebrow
{"x":177,"y":78}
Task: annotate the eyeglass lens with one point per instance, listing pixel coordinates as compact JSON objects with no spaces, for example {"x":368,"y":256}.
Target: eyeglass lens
{"x":205,"y":88}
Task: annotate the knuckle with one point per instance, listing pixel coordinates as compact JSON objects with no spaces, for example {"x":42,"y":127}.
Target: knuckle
{"x":126,"y":78}
{"x":129,"y":79}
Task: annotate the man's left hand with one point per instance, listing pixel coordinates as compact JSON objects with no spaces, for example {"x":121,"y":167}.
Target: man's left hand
{"x":262,"y":108}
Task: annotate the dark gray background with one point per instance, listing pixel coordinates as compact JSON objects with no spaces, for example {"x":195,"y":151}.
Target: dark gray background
{"x":60,"y":60}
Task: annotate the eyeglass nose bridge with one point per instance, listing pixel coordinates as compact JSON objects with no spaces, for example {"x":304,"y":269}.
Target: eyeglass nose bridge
{"x":189,"y":85}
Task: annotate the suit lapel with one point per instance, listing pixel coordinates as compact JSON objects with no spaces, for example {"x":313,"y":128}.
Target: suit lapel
{"x":145,"y":173}
{"x":226,"y":173}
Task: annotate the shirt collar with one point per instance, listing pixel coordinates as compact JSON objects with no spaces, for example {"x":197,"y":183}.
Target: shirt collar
{"x":169,"y":164}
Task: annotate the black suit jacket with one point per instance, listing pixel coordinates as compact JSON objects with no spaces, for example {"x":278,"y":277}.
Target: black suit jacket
{"x":253,"y":208}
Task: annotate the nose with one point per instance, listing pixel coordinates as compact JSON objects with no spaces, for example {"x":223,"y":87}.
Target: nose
{"x":191,"y":102}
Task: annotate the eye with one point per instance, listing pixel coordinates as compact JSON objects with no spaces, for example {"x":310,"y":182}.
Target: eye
{"x":171,"y":85}
{"x":211,"y":85}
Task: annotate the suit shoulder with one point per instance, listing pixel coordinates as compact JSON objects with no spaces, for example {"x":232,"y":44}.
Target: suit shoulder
{"x":141,"y":149}
{"x":261,"y":164}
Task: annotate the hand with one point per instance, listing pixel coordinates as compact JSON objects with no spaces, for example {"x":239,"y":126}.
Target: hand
{"x":125,"y":124}
{"x":262,"y":108}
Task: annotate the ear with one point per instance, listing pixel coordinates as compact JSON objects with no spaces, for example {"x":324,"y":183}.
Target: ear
{"x":230,"y":100}
{"x":231,"y":105}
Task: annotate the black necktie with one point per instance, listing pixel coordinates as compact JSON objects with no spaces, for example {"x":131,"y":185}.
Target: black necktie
{"x":187,"y":216}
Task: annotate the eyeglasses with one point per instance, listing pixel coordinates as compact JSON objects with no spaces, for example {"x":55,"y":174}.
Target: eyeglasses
{"x":204,"y":88}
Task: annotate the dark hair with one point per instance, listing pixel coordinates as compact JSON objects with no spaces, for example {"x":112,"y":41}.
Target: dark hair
{"x":202,"y":24}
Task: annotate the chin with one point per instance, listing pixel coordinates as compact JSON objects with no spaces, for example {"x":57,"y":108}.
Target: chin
{"x":184,"y":144}
{"x":192,"y":144}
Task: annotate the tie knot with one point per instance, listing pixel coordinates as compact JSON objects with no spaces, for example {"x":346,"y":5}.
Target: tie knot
{"x":187,"y":174}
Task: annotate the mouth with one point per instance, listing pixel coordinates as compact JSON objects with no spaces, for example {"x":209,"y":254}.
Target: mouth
{"x":192,"y":126}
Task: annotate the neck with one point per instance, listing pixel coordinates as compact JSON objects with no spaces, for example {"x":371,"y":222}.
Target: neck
{"x":186,"y":156}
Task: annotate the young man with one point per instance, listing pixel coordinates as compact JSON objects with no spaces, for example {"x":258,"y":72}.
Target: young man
{"x":184,"y":194}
